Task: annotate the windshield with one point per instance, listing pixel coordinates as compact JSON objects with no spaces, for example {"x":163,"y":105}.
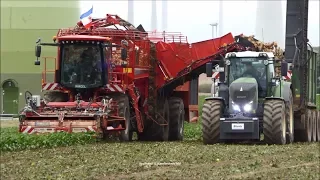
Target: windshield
{"x":247,"y":67}
{"x":81,"y":65}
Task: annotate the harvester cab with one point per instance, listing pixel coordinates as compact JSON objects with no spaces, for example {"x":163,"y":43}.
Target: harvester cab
{"x":74,"y":102}
{"x":82,"y":61}
{"x":249,"y":79}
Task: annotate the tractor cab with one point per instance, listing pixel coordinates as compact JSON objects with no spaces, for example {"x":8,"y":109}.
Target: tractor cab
{"x":245,"y":81}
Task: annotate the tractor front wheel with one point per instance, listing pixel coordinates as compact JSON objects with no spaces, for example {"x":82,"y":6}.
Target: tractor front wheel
{"x":274,"y":122}
{"x":211,"y":113}
{"x":124,"y":111}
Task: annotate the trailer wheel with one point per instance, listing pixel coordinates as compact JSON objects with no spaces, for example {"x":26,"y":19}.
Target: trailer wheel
{"x":304,"y":135}
{"x":54,"y":96}
{"x":124,"y":111}
{"x":290,"y":120}
{"x":176,"y":127}
{"x":309,"y":125}
{"x":274,"y":122}
{"x":314,"y":126}
{"x":211,"y":113}
{"x":318,"y":126}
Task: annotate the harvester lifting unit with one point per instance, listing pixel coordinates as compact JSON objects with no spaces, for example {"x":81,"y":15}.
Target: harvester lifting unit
{"x":252,"y":100}
{"x":117,"y":78}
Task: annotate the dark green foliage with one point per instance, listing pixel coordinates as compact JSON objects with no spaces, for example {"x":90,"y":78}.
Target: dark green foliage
{"x":11,"y":140}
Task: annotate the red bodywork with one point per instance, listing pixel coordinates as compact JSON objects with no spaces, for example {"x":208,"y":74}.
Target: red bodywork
{"x":176,"y":59}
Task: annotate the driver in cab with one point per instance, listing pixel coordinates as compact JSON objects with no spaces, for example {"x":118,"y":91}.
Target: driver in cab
{"x":251,"y":71}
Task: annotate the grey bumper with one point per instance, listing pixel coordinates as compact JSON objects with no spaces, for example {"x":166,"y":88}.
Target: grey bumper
{"x":239,"y":128}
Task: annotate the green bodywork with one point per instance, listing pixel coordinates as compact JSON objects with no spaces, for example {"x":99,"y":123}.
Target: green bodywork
{"x":22,"y":23}
{"x":312,"y":97}
{"x":246,"y":80}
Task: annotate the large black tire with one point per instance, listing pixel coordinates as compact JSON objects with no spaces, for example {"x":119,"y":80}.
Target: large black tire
{"x":124,"y":111}
{"x":274,"y":122}
{"x":177,"y":114}
{"x":54,"y":96}
{"x":304,"y":135}
{"x":318,"y":126}
{"x":211,"y":113}
{"x":154,"y":131}
{"x":314,"y":126}
{"x":290,"y":119}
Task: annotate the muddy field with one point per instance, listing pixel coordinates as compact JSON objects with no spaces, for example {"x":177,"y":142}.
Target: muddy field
{"x":170,"y":160}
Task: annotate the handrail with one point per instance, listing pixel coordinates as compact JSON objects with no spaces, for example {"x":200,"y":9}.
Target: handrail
{"x":44,"y":72}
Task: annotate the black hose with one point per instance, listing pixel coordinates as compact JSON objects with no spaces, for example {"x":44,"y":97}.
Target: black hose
{"x":26,"y":97}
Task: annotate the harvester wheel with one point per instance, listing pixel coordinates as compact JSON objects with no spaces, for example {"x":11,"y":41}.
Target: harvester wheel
{"x":176,"y":126}
{"x":124,"y":111}
{"x":290,"y":120}
{"x":54,"y":96}
{"x":157,"y":131}
{"x":318,"y":126}
{"x":314,"y":126}
{"x":274,"y":122}
{"x":211,"y":113}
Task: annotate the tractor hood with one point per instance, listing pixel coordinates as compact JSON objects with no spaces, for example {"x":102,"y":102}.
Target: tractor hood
{"x":244,"y":94}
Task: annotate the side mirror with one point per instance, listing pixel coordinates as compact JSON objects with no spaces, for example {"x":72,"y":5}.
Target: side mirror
{"x":37,"y":62}
{"x":275,"y":81}
{"x":38,"y":51}
{"x":209,"y":69}
{"x":124,"y":54}
{"x":284,"y":68}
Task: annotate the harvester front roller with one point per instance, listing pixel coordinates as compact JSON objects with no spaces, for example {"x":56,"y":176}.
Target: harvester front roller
{"x":176,"y":126}
{"x":211,"y":113}
{"x":274,"y":122}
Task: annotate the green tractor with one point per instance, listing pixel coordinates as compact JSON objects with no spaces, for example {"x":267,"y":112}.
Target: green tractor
{"x":251,"y":101}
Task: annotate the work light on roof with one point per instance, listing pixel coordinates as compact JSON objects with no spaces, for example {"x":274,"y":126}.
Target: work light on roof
{"x":265,"y":62}
{"x":263,"y":55}
{"x":227,"y":62}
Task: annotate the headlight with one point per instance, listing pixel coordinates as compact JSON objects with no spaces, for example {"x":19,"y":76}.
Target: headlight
{"x":248,"y":107}
{"x":236,"y":107}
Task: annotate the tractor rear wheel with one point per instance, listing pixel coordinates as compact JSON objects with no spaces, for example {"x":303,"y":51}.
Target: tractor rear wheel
{"x":55,"y":96}
{"x":211,"y":113}
{"x":124,"y":111}
{"x":274,"y":122}
{"x":290,"y":120}
{"x":177,"y":113}
{"x":318,"y":126}
{"x":314,"y":126}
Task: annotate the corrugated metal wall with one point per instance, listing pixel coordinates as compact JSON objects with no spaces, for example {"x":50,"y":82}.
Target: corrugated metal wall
{"x":22,"y":22}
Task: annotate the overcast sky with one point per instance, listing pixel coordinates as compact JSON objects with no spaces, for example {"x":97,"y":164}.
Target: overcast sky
{"x":192,"y":18}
